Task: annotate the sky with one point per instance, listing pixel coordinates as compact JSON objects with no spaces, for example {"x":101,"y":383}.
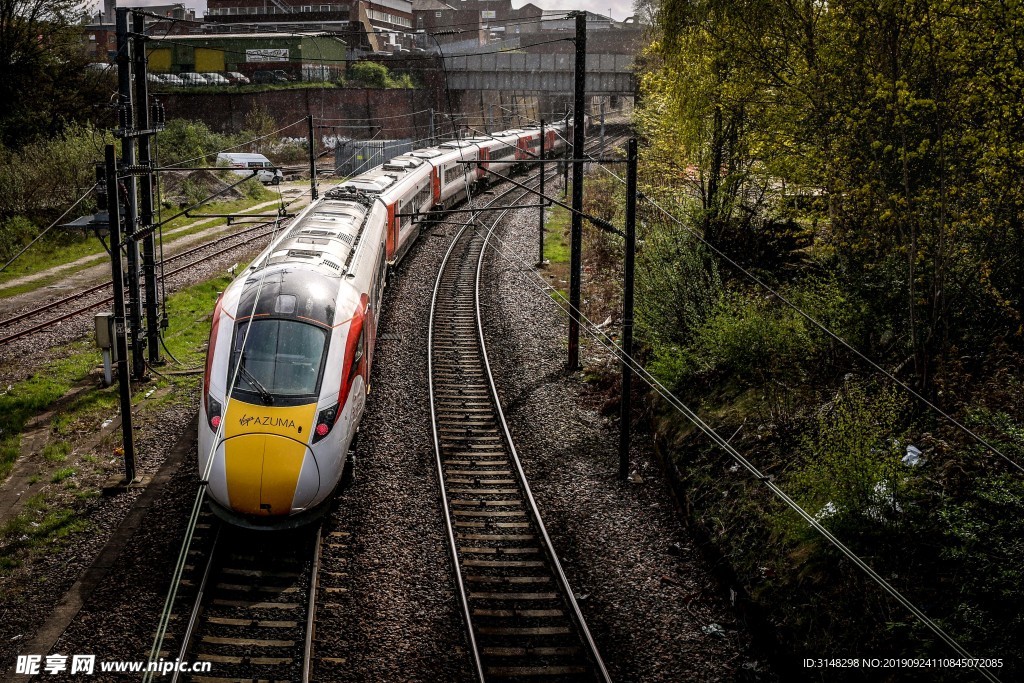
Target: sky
{"x":619,"y":9}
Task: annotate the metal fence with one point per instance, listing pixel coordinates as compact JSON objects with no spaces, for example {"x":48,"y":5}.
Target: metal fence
{"x":352,"y":157}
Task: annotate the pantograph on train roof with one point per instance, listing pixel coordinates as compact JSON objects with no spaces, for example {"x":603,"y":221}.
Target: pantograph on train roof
{"x":403,"y":163}
{"x":374,"y":182}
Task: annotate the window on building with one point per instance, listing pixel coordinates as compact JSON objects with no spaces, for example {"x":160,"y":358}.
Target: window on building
{"x":437,"y":14}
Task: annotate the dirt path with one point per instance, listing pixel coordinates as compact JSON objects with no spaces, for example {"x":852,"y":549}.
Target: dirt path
{"x":100,"y":270}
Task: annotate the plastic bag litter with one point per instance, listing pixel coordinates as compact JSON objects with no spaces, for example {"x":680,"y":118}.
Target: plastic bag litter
{"x":713,"y":630}
{"x":913,"y":457}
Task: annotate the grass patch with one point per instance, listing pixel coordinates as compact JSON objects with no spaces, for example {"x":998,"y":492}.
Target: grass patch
{"x":556,"y":235}
{"x":85,"y":410}
{"x":56,"y":451}
{"x":38,"y":526}
{"x":189,"y":311}
{"x":38,"y":392}
{"x":48,"y":255}
{"x":62,"y":474}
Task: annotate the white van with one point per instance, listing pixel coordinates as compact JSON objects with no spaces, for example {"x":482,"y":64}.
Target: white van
{"x":243,"y":164}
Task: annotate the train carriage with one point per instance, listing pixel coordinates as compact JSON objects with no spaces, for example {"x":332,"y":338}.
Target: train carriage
{"x":403,"y":185}
{"x":452,"y":177}
{"x":292,"y":339}
{"x":497,"y":153}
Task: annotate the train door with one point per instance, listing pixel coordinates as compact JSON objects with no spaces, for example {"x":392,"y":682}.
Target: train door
{"x":376,"y":294}
{"x":391,"y":232}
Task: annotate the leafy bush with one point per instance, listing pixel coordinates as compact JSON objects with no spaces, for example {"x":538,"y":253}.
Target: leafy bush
{"x":749,"y":338}
{"x":184,"y":140}
{"x":678,"y":285}
{"x":43,"y":178}
{"x":850,"y":472}
{"x":374,"y":75}
{"x":369,"y":74}
{"x":15,"y":233}
{"x":253,"y":189}
{"x":194,"y":190}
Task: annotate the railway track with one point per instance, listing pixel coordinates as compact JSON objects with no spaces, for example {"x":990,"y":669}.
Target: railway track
{"x":256,"y":599}
{"x":254,"y":607}
{"x":260,"y":231}
{"x":523,"y":619}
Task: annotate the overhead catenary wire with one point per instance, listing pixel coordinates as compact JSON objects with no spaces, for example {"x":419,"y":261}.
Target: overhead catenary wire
{"x":559,"y":300}
{"x":47,"y":229}
{"x":179,"y":568}
{"x":379,"y":118}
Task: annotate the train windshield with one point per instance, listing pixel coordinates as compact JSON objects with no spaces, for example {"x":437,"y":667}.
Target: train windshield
{"x":278,"y":357}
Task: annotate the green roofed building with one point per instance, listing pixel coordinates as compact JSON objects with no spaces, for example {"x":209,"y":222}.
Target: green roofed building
{"x":305,"y":56}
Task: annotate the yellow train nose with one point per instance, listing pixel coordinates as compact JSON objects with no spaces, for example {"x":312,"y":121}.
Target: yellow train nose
{"x":265,"y":474}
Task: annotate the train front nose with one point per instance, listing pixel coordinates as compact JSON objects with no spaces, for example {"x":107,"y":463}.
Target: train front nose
{"x":269,"y":474}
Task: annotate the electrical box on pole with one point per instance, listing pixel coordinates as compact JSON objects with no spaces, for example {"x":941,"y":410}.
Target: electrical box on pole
{"x":576,"y":231}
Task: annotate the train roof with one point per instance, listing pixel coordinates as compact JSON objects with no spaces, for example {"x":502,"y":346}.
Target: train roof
{"x":375,"y":181}
{"x":403,"y":163}
{"x":483,"y":140}
{"x":288,"y":292}
{"x":324,"y":238}
{"x":456,"y":144}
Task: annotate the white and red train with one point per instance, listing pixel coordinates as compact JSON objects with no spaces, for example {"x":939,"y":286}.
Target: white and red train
{"x":292,"y":338}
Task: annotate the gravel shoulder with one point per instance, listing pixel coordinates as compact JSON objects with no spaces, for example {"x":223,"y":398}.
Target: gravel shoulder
{"x":402,"y":621}
{"x":648,"y":596}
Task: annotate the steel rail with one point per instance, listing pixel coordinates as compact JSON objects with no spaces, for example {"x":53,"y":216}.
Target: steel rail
{"x":61,"y":318}
{"x":477,"y":663}
{"x":563,"y":581}
{"x":591,"y":653}
{"x":95,"y":288}
{"x":260,"y":579}
{"x":307,"y":649}
{"x":186,"y":637}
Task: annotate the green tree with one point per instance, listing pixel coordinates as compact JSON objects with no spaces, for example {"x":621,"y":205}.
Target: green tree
{"x":905,"y":117}
{"x":42,"y":80}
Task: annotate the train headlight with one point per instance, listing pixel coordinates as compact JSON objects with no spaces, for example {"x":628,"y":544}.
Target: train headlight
{"x":325,"y":422}
{"x":213,"y":412}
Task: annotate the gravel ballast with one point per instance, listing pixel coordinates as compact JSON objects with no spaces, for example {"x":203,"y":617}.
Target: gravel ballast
{"x":649,"y":599}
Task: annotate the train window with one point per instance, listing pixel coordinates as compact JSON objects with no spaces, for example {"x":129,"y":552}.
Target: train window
{"x":452,"y":173}
{"x":502,"y":153}
{"x":360,"y":348}
{"x":280,"y":357}
{"x":285,"y":303}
